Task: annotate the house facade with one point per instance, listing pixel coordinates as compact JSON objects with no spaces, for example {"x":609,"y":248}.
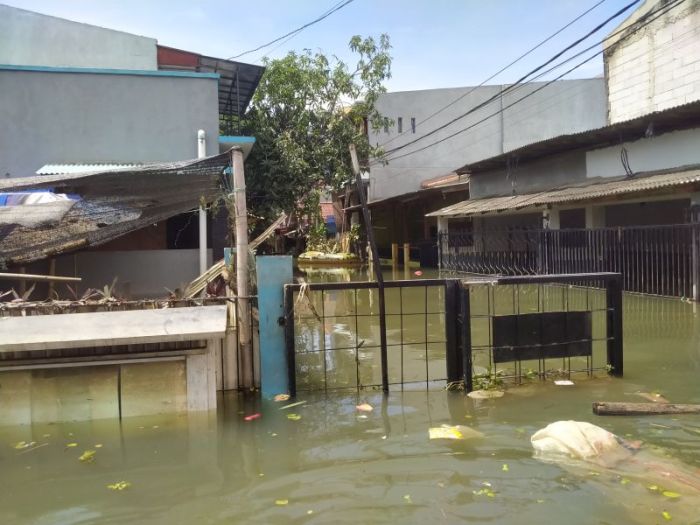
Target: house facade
{"x":81,"y":97}
{"x":622,"y":197}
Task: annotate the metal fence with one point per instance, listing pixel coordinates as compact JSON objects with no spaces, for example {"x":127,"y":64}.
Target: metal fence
{"x":658,"y":260}
{"x":529,"y":327}
{"x":438,"y":329}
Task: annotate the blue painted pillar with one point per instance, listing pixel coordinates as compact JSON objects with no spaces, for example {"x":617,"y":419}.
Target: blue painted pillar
{"x":272,"y":273}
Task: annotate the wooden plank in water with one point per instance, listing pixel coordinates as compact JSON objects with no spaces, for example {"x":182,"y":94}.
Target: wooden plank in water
{"x":603,"y":408}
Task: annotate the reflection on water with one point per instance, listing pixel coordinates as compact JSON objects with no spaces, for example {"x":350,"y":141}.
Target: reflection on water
{"x":331,"y":466}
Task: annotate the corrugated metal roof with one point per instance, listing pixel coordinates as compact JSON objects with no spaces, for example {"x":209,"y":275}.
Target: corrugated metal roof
{"x":65,"y":169}
{"x":660,"y":122}
{"x":594,"y":189}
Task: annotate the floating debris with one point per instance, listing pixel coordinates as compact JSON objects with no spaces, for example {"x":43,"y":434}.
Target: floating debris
{"x":563,"y":382}
{"x":407,"y":498}
{"x":281,"y":397}
{"x":281,"y":502}
{"x":253,"y":417}
{"x":87,"y":456}
{"x":99,"y":445}
{"x":485,"y":394}
{"x":666,"y":515}
{"x":364,"y":407}
{"x":654,"y":397}
{"x":294,"y":417}
{"x":670,"y":494}
{"x":119,"y":485}
{"x":505,"y":468}
{"x":298,"y":403}
{"x":23,"y":444}
{"x":453,"y":432}
{"x":71,"y":445}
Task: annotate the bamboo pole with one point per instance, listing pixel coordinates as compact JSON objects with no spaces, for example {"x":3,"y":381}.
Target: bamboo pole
{"x":241,"y":225}
{"x":39,"y":278}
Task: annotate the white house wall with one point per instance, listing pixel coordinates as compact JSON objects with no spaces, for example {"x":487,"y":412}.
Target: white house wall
{"x":670,"y":150}
{"x":658,"y":67}
{"x":28,"y":38}
{"x":563,"y":107}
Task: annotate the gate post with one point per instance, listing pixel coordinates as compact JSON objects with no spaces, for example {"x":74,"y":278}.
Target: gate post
{"x":613,"y":294}
{"x":273,"y":272}
{"x":465,"y":315}
{"x":452,"y":331}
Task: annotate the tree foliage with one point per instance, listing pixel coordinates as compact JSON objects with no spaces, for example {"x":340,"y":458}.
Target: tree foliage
{"x":305,"y":113}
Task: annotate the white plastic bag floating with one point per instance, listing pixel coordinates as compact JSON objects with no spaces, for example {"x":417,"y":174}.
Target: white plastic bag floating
{"x":453,"y":432}
{"x":578,"y":440}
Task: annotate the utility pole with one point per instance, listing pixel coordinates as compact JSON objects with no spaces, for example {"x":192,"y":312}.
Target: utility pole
{"x":243,"y":301}
{"x":377,"y":268}
{"x":201,"y":153}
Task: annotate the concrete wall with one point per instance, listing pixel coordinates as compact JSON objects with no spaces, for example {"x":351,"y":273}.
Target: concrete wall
{"x":139,"y":273}
{"x":563,"y":107}
{"x":66,"y":117}
{"x":657,"y":67}
{"x":28,"y":38}
{"x":543,"y":174}
{"x":670,"y":150}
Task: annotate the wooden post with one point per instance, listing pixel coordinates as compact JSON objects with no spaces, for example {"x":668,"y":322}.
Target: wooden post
{"x":241,"y":224}
{"x":377,"y":269}
{"x":52,"y":272}
{"x":406,"y":254}
{"x":394,"y":254}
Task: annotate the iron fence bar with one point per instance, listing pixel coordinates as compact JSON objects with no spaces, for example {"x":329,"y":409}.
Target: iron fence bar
{"x":289,"y":339}
{"x":613,"y":294}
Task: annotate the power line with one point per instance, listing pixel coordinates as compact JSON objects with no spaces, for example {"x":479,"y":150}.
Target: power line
{"x":325,"y":15}
{"x":518,"y":82}
{"x":646,"y":20}
{"x":579,"y":17}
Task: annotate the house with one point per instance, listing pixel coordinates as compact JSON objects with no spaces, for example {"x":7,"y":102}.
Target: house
{"x":83,"y":99}
{"x":417,"y":181}
{"x":622,"y":197}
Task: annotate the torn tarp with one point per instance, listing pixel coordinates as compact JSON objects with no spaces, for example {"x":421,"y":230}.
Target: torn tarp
{"x":100,"y":206}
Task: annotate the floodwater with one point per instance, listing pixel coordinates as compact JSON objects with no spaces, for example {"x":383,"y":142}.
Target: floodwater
{"x":332,"y":465}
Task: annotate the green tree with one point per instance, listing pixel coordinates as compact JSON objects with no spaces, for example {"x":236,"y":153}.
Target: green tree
{"x":306,"y":111}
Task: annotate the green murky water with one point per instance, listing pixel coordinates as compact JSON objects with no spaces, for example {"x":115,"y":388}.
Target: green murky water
{"x":331,"y":466}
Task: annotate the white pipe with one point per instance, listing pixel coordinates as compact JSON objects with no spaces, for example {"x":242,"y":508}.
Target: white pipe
{"x":201,"y":153}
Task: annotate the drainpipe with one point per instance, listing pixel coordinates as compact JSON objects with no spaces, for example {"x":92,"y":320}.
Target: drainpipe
{"x":201,"y":153}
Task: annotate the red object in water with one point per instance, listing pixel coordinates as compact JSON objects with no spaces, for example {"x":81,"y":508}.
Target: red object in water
{"x":417,"y":273}
{"x":251,"y":417}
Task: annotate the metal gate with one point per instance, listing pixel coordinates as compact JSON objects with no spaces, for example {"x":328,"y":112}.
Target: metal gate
{"x":435,"y":328}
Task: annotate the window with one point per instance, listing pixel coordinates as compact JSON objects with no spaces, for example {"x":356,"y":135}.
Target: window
{"x":400,"y":124}
{"x":413,"y":124}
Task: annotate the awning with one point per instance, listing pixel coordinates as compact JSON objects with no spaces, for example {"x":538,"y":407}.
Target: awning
{"x":105,"y":204}
{"x":641,"y":184}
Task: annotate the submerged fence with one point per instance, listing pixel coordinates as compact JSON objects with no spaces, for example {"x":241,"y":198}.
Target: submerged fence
{"x":442,"y":331}
{"x":658,"y":260}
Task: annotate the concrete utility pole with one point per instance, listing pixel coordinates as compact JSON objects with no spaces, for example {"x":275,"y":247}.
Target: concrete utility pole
{"x":241,"y":221}
{"x":201,"y":153}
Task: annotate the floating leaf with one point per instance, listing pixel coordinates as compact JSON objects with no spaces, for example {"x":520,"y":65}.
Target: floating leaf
{"x":281,"y":502}
{"x":624,"y":481}
{"x":407,"y":497}
{"x":294,"y":417}
{"x":23,"y":444}
{"x":364,"y":407}
{"x":281,"y":397}
{"x":670,"y":494}
{"x":540,"y":501}
{"x":87,"y":456}
{"x":309,"y":512}
{"x":99,"y":445}
{"x":484,"y":492}
{"x":119,"y":485}
{"x":71,"y":445}
{"x":505,"y":468}
{"x":666,"y":515}
{"x":653,"y":487}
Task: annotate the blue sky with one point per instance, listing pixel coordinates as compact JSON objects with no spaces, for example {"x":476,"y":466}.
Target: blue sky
{"x":436,"y":43}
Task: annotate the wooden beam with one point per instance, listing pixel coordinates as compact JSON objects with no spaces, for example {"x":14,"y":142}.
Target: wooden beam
{"x":39,"y":278}
{"x":603,"y":408}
